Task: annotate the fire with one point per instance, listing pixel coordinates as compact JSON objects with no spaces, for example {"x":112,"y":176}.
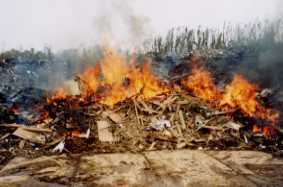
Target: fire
{"x":118,"y":77}
{"x":59,"y":94}
{"x":239,"y":94}
{"x":113,"y":68}
{"x":242,"y":94}
{"x":266,"y":131}
{"x":116,"y":80}
{"x":152,"y":86}
{"x":14,"y":110}
{"x":113,"y":79}
{"x":201,"y":84}
{"x":256,"y":129}
{"x":90,"y":79}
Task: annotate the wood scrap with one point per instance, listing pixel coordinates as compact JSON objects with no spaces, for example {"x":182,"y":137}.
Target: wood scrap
{"x":146,"y":108}
{"x":113,"y":116}
{"x":191,"y":120}
{"x":22,"y":144}
{"x":166,"y":102}
{"x":179,"y":129}
{"x":217,"y":113}
{"x":104,"y":133}
{"x":158,"y":136}
{"x":5,"y":136}
{"x":27,"y":128}
{"x":137,"y":114}
{"x":233,"y":125}
{"x":181,"y":145}
{"x":151,"y":146}
{"x":182,"y":120}
{"x":31,"y":136}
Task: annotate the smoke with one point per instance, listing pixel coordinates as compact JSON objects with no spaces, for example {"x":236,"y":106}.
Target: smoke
{"x":263,"y":64}
{"x":279,"y":11}
{"x":138,"y":26}
{"x":119,"y":25}
{"x":125,"y":24}
{"x":262,"y":67}
{"x":116,"y":25}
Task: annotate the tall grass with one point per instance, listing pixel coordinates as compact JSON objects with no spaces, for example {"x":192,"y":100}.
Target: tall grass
{"x":184,"y":39}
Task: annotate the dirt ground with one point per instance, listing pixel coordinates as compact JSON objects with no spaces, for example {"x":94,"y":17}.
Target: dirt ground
{"x":155,"y":168}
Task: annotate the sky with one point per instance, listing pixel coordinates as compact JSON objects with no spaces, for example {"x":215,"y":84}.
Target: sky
{"x":62,"y":24}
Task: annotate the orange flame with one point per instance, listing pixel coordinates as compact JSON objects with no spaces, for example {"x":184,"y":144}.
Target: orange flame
{"x":239,"y":94}
{"x":114,"y":80}
{"x":59,"y":94}
{"x":256,"y":129}
{"x":201,"y":84}
{"x":119,"y":80}
{"x":90,"y":79}
{"x":243,"y":95}
{"x":152,"y":86}
{"x":266,"y":131}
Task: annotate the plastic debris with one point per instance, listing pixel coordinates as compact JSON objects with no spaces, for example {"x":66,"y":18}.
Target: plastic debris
{"x":60,"y":146}
{"x":199,"y":122}
{"x":160,"y":125}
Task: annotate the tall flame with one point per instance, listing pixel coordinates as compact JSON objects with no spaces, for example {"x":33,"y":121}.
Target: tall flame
{"x":243,"y":95}
{"x":201,"y":84}
{"x":114,"y":80}
{"x":119,"y":80}
{"x":90,"y":79}
{"x":239,"y":94}
{"x":59,"y":94}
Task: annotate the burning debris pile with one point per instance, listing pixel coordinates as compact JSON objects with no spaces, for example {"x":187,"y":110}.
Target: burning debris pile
{"x":123,"y":106}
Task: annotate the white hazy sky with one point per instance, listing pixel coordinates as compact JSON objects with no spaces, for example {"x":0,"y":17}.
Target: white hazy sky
{"x":73,"y":23}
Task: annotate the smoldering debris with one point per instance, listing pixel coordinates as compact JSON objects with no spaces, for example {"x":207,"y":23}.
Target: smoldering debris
{"x":115,"y":116}
{"x":171,"y":120}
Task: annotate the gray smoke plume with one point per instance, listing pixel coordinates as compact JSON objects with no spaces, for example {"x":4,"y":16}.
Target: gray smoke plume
{"x":118,"y":22}
{"x":115,"y":17}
